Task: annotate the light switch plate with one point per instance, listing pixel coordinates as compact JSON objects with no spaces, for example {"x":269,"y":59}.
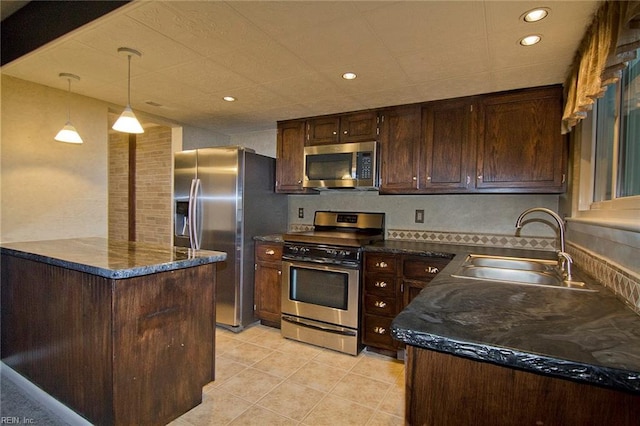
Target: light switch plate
{"x":300,"y":212}
{"x":419,"y":216}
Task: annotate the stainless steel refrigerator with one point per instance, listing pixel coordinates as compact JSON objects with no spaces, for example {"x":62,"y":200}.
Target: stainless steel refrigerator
{"x":223,"y":197}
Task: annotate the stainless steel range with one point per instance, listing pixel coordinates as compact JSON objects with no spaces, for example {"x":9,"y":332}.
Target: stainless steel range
{"x":321,"y":272}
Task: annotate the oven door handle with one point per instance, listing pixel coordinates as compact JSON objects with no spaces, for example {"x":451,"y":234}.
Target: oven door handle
{"x":325,"y":327}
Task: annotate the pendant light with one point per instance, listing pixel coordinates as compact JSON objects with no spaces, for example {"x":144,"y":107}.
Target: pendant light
{"x":127,"y":122}
{"x":68,"y":133}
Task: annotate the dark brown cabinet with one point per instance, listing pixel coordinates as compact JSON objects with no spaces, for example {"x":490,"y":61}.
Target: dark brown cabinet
{"x":391,"y":281}
{"x":343,"y":128}
{"x":444,"y":389}
{"x":290,"y":157}
{"x":399,"y":149}
{"x":417,"y":272}
{"x":380,"y":300}
{"x":268,"y":273}
{"x":127,"y":351}
{"x":520,"y":146}
{"x":507,"y":142}
{"x":448,"y":146}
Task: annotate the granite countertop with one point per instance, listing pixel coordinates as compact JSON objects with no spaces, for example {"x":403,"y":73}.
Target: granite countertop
{"x":109,"y":258}
{"x":590,"y":337}
{"x":273,"y":238}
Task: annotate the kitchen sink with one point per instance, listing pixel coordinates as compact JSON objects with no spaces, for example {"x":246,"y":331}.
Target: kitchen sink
{"x":515,"y":270}
{"x":517,"y":263}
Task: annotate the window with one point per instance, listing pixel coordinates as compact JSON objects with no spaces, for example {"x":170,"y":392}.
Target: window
{"x":616,"y":138}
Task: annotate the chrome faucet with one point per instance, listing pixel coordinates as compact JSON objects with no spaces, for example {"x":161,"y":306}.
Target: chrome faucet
{"x":564,"y":260}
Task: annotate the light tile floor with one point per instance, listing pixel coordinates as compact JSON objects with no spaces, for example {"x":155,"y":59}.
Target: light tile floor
{"x":264,"y":379}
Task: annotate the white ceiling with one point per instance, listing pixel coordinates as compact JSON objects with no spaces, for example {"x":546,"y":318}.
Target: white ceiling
{"x":284,"y":59}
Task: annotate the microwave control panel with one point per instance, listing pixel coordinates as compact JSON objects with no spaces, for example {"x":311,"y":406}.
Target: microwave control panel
{"x":365,"y":165}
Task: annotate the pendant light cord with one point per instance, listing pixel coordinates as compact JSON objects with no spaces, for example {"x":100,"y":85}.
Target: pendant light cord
{"x":69,"y":101}
{"x":129,"y":82}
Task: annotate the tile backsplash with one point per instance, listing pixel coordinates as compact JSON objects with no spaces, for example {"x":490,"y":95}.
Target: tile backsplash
{"x":472,"y":239}
{"x":625,"y":284}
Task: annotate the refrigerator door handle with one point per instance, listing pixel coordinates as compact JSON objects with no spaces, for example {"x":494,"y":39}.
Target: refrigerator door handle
{"x":191,"y":213}
{"x":195,"y":241}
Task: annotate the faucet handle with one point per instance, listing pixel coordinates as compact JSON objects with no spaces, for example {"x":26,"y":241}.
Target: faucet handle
{"x":565,"y":256}
{"x":565,"y":266}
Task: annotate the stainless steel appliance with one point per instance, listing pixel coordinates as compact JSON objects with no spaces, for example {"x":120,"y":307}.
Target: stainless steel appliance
{"x":321,"y":272}
{"x":345,"y":165}
{"x":223,"y":197}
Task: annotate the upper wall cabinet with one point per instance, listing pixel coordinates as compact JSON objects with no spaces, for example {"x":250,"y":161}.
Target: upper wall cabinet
{"x":352,"y":127}
{"x":399,"y":149}
{"x":508,"y":142}
{"x":448,"y":146}
{"x":520,"y":147}
{"x":290,"y":157}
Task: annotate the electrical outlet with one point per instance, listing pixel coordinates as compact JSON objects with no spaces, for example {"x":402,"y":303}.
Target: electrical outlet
{"x":300,"y":212}
{"x":419,"y":216}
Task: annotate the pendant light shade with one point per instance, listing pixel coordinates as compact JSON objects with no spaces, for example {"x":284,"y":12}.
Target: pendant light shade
{"x":68,"y":133}
{"x":127,"y":122}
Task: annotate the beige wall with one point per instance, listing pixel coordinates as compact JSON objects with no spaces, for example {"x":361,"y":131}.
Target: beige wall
{"x":49,"y":189}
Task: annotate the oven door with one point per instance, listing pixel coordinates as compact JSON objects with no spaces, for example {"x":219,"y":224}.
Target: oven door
{"x":321,"y":292}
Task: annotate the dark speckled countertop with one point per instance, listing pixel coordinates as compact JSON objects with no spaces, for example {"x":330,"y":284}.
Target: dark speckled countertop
{"x":590,"y":337}
{"x":109,"y":258}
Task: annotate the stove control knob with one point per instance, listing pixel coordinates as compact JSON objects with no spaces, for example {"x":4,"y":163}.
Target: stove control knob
{"x":294,"y":249}
{"x":344,"y":253}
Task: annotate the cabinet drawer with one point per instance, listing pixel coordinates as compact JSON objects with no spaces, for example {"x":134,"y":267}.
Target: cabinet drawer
{"x":423,"y":267}
{"x":380,"y":263}
{"x":376,"y":331}
{"x":384,"y":285}
{"x":378,"y":305}
{"x":269,"y":252}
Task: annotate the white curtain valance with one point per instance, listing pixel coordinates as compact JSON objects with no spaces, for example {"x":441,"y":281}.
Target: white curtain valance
{"x":611,"y":41}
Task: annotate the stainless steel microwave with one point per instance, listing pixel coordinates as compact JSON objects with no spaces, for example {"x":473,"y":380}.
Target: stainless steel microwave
{"x":345,"y":165}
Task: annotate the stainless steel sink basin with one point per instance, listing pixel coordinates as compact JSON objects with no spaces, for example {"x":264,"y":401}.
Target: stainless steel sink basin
{"x":521,"y":264}
{"x":515,"y":270}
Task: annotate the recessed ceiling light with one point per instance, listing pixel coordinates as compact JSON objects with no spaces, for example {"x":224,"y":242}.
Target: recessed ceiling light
{"x":535,"y":15}
{"x":229,"y":98}
{"x":349,"y":75}
{"x":530,"y":40}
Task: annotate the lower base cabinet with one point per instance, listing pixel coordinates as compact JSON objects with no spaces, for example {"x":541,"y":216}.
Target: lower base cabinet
{"x":391,"y":281}
{"x":447,"y":390}
{"x":268,"y":274}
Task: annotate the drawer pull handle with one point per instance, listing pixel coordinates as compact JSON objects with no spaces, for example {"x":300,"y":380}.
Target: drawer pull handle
{"x":380,"y":330}
{"x":380,"y":304}
{"x":432,"y":270}
{"x":382,"y":265}
{"x":270,"y":252}
{"x":380,"y":284}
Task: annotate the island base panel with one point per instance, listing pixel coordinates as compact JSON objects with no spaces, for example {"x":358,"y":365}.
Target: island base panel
{"x":443,"y":389}
{"x":129,"y":351}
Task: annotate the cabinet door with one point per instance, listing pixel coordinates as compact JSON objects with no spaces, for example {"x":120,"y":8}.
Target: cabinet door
{"x":267,"y":292}
{"x":520,"y":147}
{"x":448,"y":146}
{"x":267,"y":282}
{"x":324,"y":130}
{"x":400,"y":148}
{"x":359,"y":127}
{"x":290,"y":157}
{"x":417,"y":272}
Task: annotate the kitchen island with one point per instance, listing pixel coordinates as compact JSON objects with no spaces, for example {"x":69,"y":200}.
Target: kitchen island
{"x":481,"y":352}
{"x":121,"y":332}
